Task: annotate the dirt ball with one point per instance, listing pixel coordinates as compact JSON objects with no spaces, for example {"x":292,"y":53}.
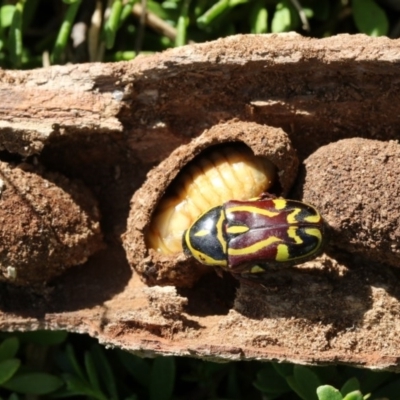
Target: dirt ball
{"x":177,"y":269}
{"x":47,"y":224}
{"x":355,"y":185}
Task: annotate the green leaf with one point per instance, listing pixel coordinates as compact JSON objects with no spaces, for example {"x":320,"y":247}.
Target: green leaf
{"x":369,"y":380}
{"x":44,"y":338}
{"x":104,"y":369}
{"x":39,"y":383}
{"x":259,"y":17}
{"x":211,"y":14}
{"x":132,"y":397}
{"x":91,"y":372}
{"x":270,"y":381}
{"x":6,"y":15}
{"x":328,"y":374}
{"x":162,"y":378}
{"x":182,"y":24}
{"x":234,"y":3}
{"x":113,"y":23}
{"x":29,"y":13}
{"x":65,"y":29}
{"x":77,"y":386}
{"x":136,"y":366}
{"x":126,"y":11}
{"x":356,"y":395}
{"x":350,"y":386}
{"x":161,"y":12}
{"x":327,"y":392}
{"x":283,"y":369}
{"x":304,"y":382}
{"x":9,"y":348}
{"x":285,"y":18}
{"x":281,"y":22}
{"x":8,"y":368}
{"x":390,"y":391}
{"x":70,"y":353}
{"x":370,"y":18}
{"x":15,"y":45}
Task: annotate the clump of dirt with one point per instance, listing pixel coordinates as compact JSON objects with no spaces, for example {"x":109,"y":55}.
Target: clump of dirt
{"x":47,"y":224}
{"x":355,"y":184}
{"x":177,"y":269}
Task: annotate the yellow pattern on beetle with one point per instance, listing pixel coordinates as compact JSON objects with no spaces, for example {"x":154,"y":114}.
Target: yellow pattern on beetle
{"x":203,"y":232}
{"x":252,"y":209}
{"x":282,"y":253}
{"x":237,"y":229}
{"x":292,"y":233}
{"x":254,"y":247}
{"x":220,"y":233}
{"x":315,"y":232}
{"x":313,"y":218}
{"x":309,"y":231}
{"x":204,"y":258}
{"x":280,"y":204}
{"x":256,"y":269}
{"x":247,"y":237}
{"x":291,"y":218}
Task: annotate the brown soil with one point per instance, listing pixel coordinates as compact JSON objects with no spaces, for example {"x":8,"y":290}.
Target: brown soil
{"x":47,"y":224}
{"x":108,"y":125}
{"x":363,"y":209}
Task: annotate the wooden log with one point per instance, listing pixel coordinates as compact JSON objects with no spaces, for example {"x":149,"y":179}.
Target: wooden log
{"x":109,"y":124}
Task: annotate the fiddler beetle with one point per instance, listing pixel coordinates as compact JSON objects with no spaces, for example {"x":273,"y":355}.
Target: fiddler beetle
{"x":248,"y":237}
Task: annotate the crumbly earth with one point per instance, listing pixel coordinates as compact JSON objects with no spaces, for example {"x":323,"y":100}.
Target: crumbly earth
{"x":110,"y":124}
{"x":365,"y":222}
{"x":47,"y":224}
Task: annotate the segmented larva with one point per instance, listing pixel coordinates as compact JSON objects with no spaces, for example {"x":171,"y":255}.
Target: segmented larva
{"x":221,"y":174}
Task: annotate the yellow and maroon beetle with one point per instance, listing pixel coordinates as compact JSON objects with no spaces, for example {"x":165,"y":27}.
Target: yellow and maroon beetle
{"x":246,"y":237}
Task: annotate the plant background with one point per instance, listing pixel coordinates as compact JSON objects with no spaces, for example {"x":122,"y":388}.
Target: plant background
{"x":36,"y":33}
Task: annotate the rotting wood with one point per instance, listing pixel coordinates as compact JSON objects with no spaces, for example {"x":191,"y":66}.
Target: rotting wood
{"x":108,"y":124}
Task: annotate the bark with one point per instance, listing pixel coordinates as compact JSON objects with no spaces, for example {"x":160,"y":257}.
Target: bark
{"x":109,"y":124}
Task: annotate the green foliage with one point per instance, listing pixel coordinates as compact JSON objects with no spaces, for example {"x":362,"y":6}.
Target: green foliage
{"x":65,"y":29}
{"x":304,"y":382}
{"x":38,"y":383}
{"x":113,"y":23}
{"x":277,"y":381}
{"x":258,"y":17}
{"x":370,"y":18}
{"x":8,"y":368}
{"x":15,"y":36}
{"x":17,"y":377}
{"x":120,"y":33}
{"x":162,"y":378}
{"x":9,"y":348}
{"x":285,"y":18}
{"x":78,"y":367}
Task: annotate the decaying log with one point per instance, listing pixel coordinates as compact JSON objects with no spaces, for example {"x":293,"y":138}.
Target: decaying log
{"x":109,"y":124}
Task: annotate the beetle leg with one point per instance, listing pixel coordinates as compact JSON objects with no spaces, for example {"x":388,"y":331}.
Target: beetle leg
{"x":219,"y":272}
{"x":249,"y":280}
{"x":266,"y":195}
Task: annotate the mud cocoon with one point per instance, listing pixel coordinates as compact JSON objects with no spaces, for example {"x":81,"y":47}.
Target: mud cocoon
{"x":355,"y":185}
{"x":47,"y":224}
{"x":177,"y":269}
